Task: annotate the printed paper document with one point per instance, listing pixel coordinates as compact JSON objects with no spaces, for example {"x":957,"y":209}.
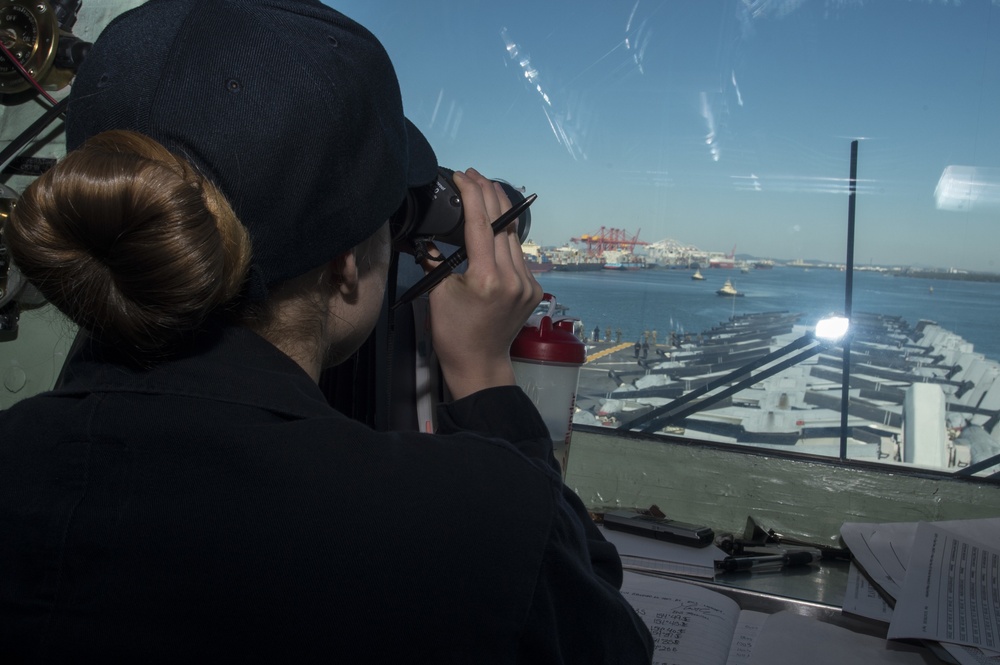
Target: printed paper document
{"x":950,"y":593}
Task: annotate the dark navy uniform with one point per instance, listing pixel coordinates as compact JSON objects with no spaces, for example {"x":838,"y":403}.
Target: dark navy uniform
{"x":214,"y":507}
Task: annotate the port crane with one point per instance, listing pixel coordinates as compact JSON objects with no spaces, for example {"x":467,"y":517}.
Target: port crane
{"x":607,"y":239}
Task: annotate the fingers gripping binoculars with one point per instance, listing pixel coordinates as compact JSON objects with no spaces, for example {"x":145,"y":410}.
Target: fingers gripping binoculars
{"x":434,"y":212}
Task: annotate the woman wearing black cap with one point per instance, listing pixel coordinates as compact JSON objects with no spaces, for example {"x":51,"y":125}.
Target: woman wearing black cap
{"x":188,"y":494}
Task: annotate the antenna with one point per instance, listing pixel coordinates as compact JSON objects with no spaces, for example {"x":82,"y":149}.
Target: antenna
{"x":845,"y":388}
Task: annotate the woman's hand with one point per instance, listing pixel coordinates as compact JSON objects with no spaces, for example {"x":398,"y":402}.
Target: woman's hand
{"x":475,"y":316}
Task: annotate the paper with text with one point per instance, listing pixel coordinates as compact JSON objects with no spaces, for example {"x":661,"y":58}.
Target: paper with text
{"x":691,"y":625}
{"x":951,"y":591}
{"x":964,"y":655}
{"x":863,"y":599}
{"x":642,"y":553}
{"x":883,"y":549}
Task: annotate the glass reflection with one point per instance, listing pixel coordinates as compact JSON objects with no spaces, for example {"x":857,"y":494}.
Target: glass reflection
{"x":704,"y":125}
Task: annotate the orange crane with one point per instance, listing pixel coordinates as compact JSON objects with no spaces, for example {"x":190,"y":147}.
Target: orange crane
{"x":609,"y":239}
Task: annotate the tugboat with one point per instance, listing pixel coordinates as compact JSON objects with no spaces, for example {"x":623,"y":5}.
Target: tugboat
{"x":729,"y":290}
{"x":697,"y":274}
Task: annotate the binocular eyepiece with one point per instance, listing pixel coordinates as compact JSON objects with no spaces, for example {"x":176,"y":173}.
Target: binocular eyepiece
{"x":434,"y":212}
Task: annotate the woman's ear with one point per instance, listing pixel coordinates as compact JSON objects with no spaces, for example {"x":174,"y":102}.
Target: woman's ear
{"x":344,"y":272}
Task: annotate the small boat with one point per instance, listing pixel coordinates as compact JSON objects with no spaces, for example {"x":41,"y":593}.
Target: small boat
{"x":697,"y":274}
{"x":728,"y":290}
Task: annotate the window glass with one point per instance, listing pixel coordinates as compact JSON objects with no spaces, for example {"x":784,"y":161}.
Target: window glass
{"x":713,"y":139}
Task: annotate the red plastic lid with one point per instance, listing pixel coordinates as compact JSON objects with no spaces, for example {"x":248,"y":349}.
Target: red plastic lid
{"x":549,"y":340}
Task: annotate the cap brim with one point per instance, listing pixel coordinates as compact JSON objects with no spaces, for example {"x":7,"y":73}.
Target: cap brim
{"x":422,"y":167}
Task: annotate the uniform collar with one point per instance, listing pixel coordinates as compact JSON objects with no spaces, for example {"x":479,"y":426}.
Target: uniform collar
{"x":229,"y":364}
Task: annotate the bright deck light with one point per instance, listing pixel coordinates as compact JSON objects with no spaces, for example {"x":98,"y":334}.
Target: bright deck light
{"x":832,"y":328}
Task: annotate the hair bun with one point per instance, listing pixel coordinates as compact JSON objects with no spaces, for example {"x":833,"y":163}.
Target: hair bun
{"x":129,"y":241}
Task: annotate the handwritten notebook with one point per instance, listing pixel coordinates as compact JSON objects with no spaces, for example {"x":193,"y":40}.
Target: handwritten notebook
{"x":692,"y":625}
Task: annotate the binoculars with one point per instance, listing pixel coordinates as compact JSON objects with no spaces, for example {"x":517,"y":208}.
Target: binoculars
{"x":434,"y":212}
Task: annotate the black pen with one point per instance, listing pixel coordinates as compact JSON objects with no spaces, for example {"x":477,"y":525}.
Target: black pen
{"x":764,"y":563}
{"x":434,"y":277}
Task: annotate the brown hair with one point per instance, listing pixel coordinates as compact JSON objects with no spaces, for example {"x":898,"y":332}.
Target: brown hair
{"x":129,"y":241}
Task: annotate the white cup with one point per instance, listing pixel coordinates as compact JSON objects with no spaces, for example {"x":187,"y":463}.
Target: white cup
{"x":552,"y":388}
{"x":547,"y":356}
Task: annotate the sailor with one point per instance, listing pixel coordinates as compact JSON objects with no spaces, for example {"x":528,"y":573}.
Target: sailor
{"x":218,"y":232}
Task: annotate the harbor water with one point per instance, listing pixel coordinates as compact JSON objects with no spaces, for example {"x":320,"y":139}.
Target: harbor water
{"x":670,"y":301}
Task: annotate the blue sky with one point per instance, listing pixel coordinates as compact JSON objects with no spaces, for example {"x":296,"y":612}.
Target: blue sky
{"x":720,"y":122}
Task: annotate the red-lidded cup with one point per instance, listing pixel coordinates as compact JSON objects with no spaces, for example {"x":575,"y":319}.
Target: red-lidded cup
{"x":547,"y":357}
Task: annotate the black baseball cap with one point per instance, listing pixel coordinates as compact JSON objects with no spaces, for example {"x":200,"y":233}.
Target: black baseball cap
{"x":291,"y":108}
